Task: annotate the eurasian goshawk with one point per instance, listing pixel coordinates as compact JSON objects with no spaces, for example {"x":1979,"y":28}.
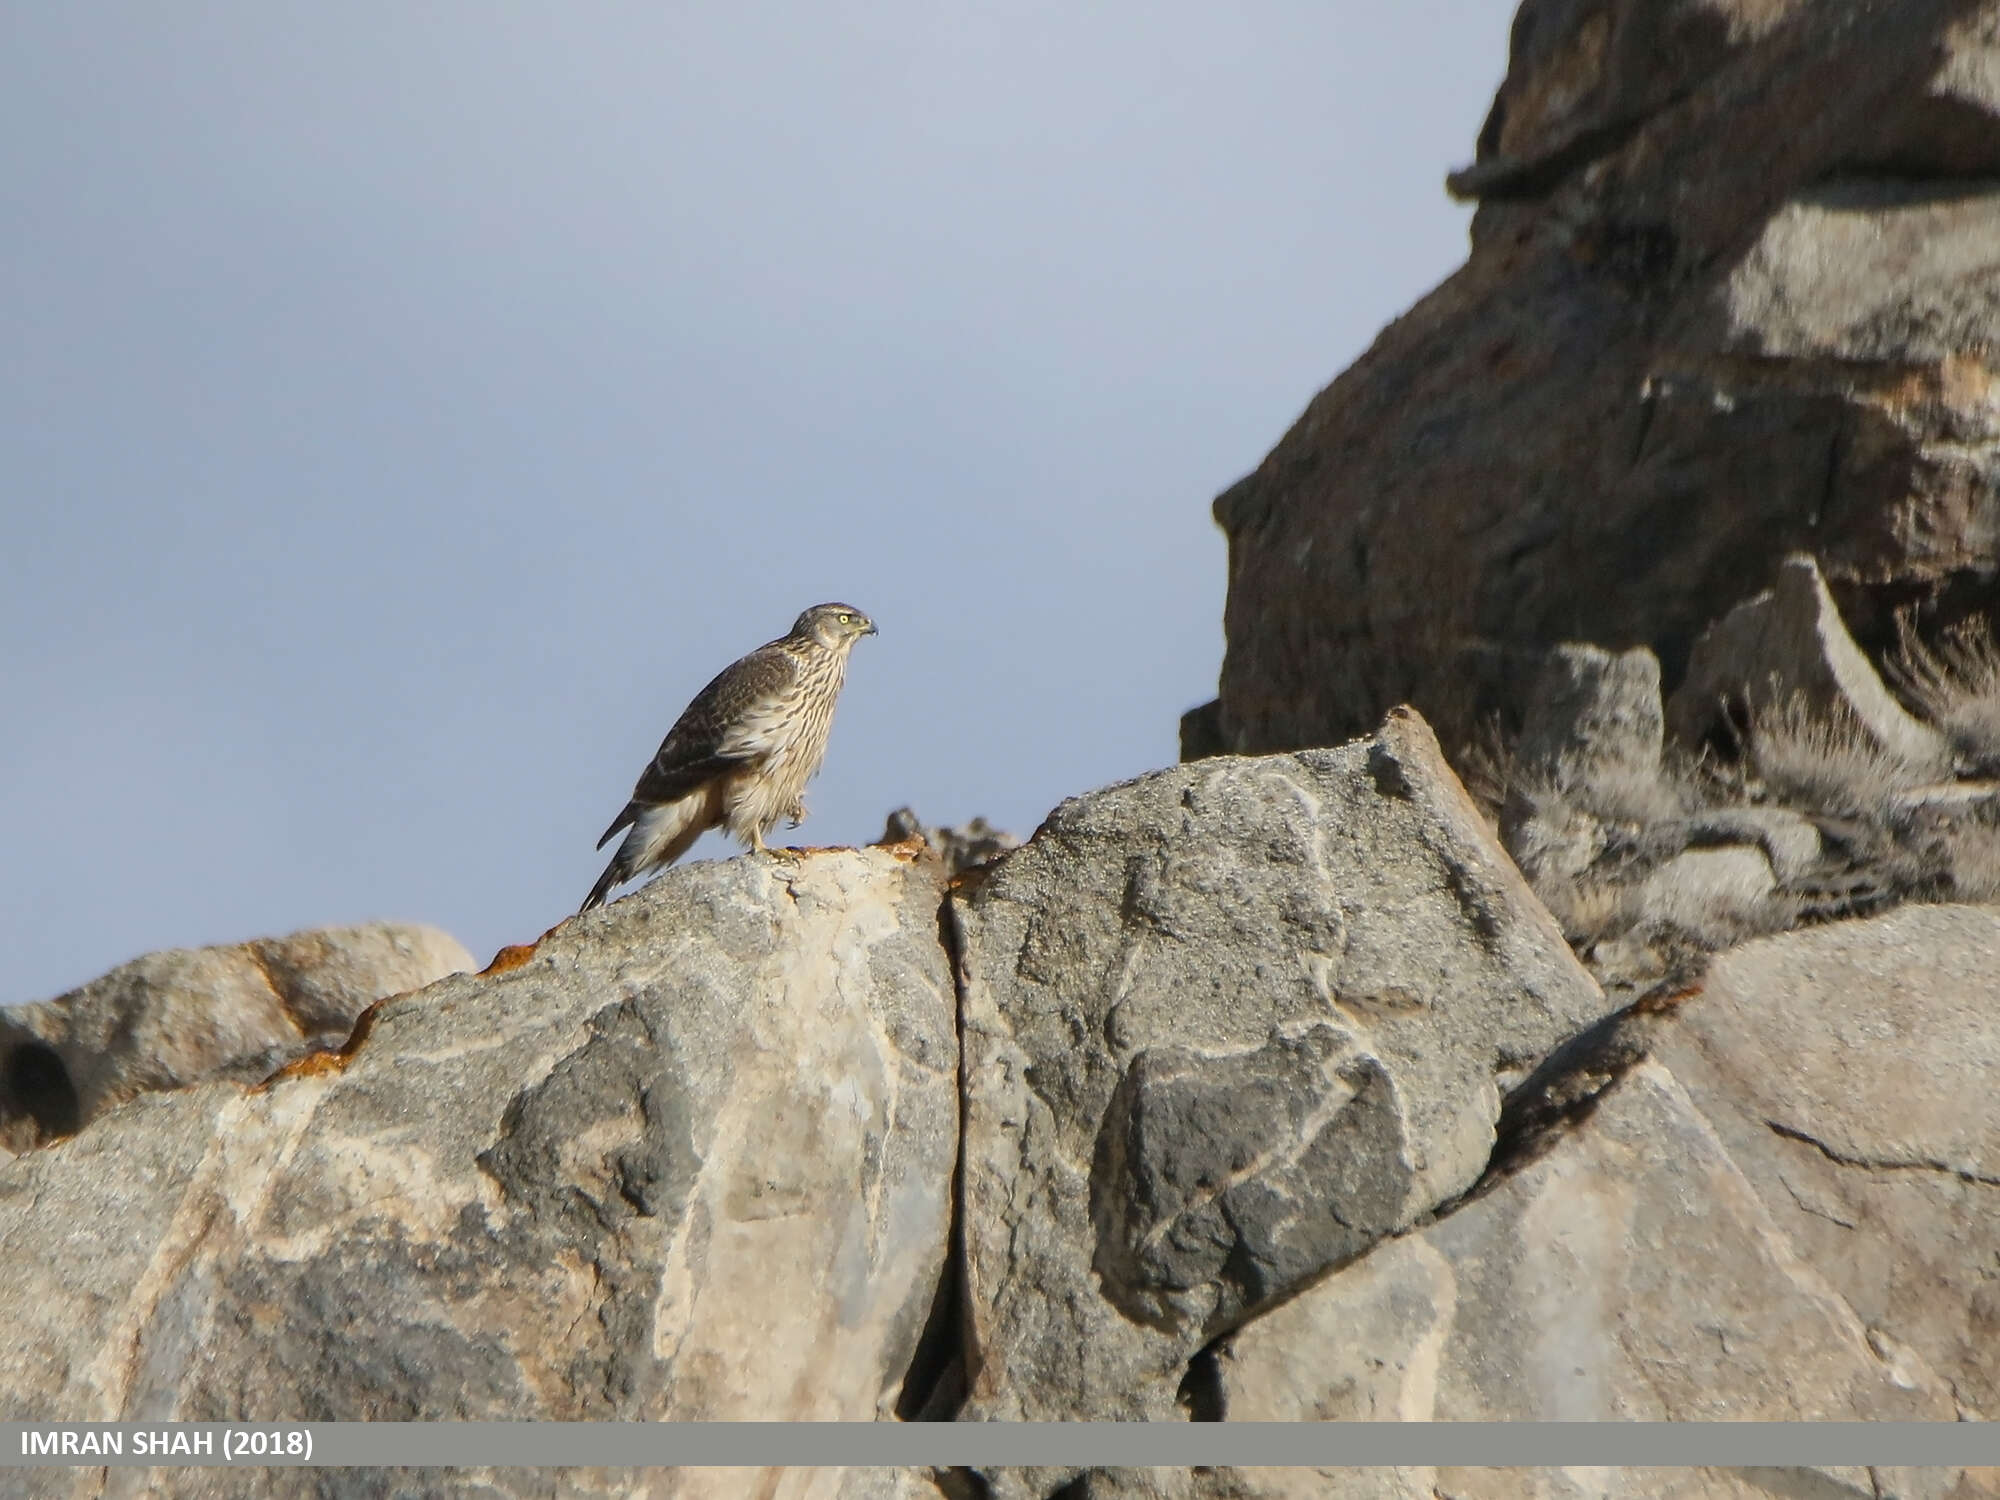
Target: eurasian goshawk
{"x":740,"y":754}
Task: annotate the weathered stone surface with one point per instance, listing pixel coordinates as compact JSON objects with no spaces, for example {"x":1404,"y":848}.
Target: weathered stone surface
{"x":688,"y":1157}
{"x":961,"y":847}
{"x":1632,"y":1273}
{"x":1201,"y":732}
{"x":1790,"y":842}
{"x":479,"y":1483}
{"x":1787,"y":1211}
{"x":1706,"y":1484}
{"x":1668,"y":363}
{"x":1593,"y":715}
{"x":1849,"y":1070}
{"x":1699,"y":887}
{"x":1788,"y":644}
{"x":1952,"y":128}
{"x":1255,"y":1484}
{"x":1542,"y":1484}
{"x":175,"y":1018}
{"x":1225,"y":1027}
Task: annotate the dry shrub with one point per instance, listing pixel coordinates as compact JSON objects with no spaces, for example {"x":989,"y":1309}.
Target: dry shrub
{"x":1588,"y":911}
{"x":1814,"y":761}
{"x":1974,"y":862}
{"x":1596,"y":836}
{"x":1924,"y":852}
{"x":1621,"y":791}
{"x":1610,"y":790}
{"x":1955,"y":684}
{"x":1488,"y":768}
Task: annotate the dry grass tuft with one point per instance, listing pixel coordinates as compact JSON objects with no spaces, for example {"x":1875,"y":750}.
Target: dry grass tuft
{"x":1824,"y":763}
{"x":1973,"y":862}
{"x":1589,"y":911}
{"x":1487,"y":768}
{"x":1818,"y":819}
{"x":1955,"y":684}
{"x":1620,"y":791}
{"x":1598,"y":841}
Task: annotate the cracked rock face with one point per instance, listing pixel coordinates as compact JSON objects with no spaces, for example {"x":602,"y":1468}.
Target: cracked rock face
{"x":1850,"y":1071}
{"x":1668,"y":363}
{"x":688,"y":1158}
{"x":1777,"y":1203}
{"x":178,"y":1017}
{"x":1630,"y":1273}
{"x":1226,"y":1027}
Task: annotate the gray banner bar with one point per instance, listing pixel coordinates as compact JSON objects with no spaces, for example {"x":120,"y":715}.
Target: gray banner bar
{"x":901,"y":1445}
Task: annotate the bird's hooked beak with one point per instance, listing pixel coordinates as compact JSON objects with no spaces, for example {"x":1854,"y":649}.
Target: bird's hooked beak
{"x":871,"y":630}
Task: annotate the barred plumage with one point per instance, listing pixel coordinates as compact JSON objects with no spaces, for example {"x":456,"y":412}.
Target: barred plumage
{"x":741,"y":753}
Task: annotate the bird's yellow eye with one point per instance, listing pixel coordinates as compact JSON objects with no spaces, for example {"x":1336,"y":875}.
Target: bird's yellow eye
{"x":846,"y":619}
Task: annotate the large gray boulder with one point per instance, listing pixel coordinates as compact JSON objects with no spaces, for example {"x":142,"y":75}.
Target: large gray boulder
{"x":1632,"y":1273}
{"x":688,"y":1157}
{"x":1669,"y":362}
{"x":178,"y":1017}
{"x":1226,"y":1027}
{"x":1771,"y":1196}
{"x":1849,"y":1070}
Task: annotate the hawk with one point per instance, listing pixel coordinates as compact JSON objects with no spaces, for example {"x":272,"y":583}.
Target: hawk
{"x":742,"y":752}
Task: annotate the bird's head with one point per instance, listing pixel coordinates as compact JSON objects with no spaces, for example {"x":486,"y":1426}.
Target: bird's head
{"x":835,"y":626}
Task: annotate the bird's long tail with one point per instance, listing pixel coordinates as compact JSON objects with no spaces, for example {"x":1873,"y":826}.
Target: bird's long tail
{"x":659,"y":835}
{"x":613,"y":875}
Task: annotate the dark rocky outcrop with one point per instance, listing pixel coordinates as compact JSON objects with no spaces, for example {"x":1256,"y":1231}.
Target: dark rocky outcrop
{"x":1673,"y":359}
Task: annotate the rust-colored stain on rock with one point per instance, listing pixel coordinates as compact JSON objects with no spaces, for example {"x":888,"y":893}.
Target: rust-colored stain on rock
{"x":514,"y":955}
{"x":511,"y":957}
{"x":1665,"y":999}
{"x":314,"y":1064}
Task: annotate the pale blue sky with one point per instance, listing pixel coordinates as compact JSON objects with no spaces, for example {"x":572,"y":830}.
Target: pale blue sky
{"x":405,"y":408}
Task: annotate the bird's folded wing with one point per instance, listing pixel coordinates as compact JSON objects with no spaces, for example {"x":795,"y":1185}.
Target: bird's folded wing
{"x":741,"y":716}
{"x":667,"y":784}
